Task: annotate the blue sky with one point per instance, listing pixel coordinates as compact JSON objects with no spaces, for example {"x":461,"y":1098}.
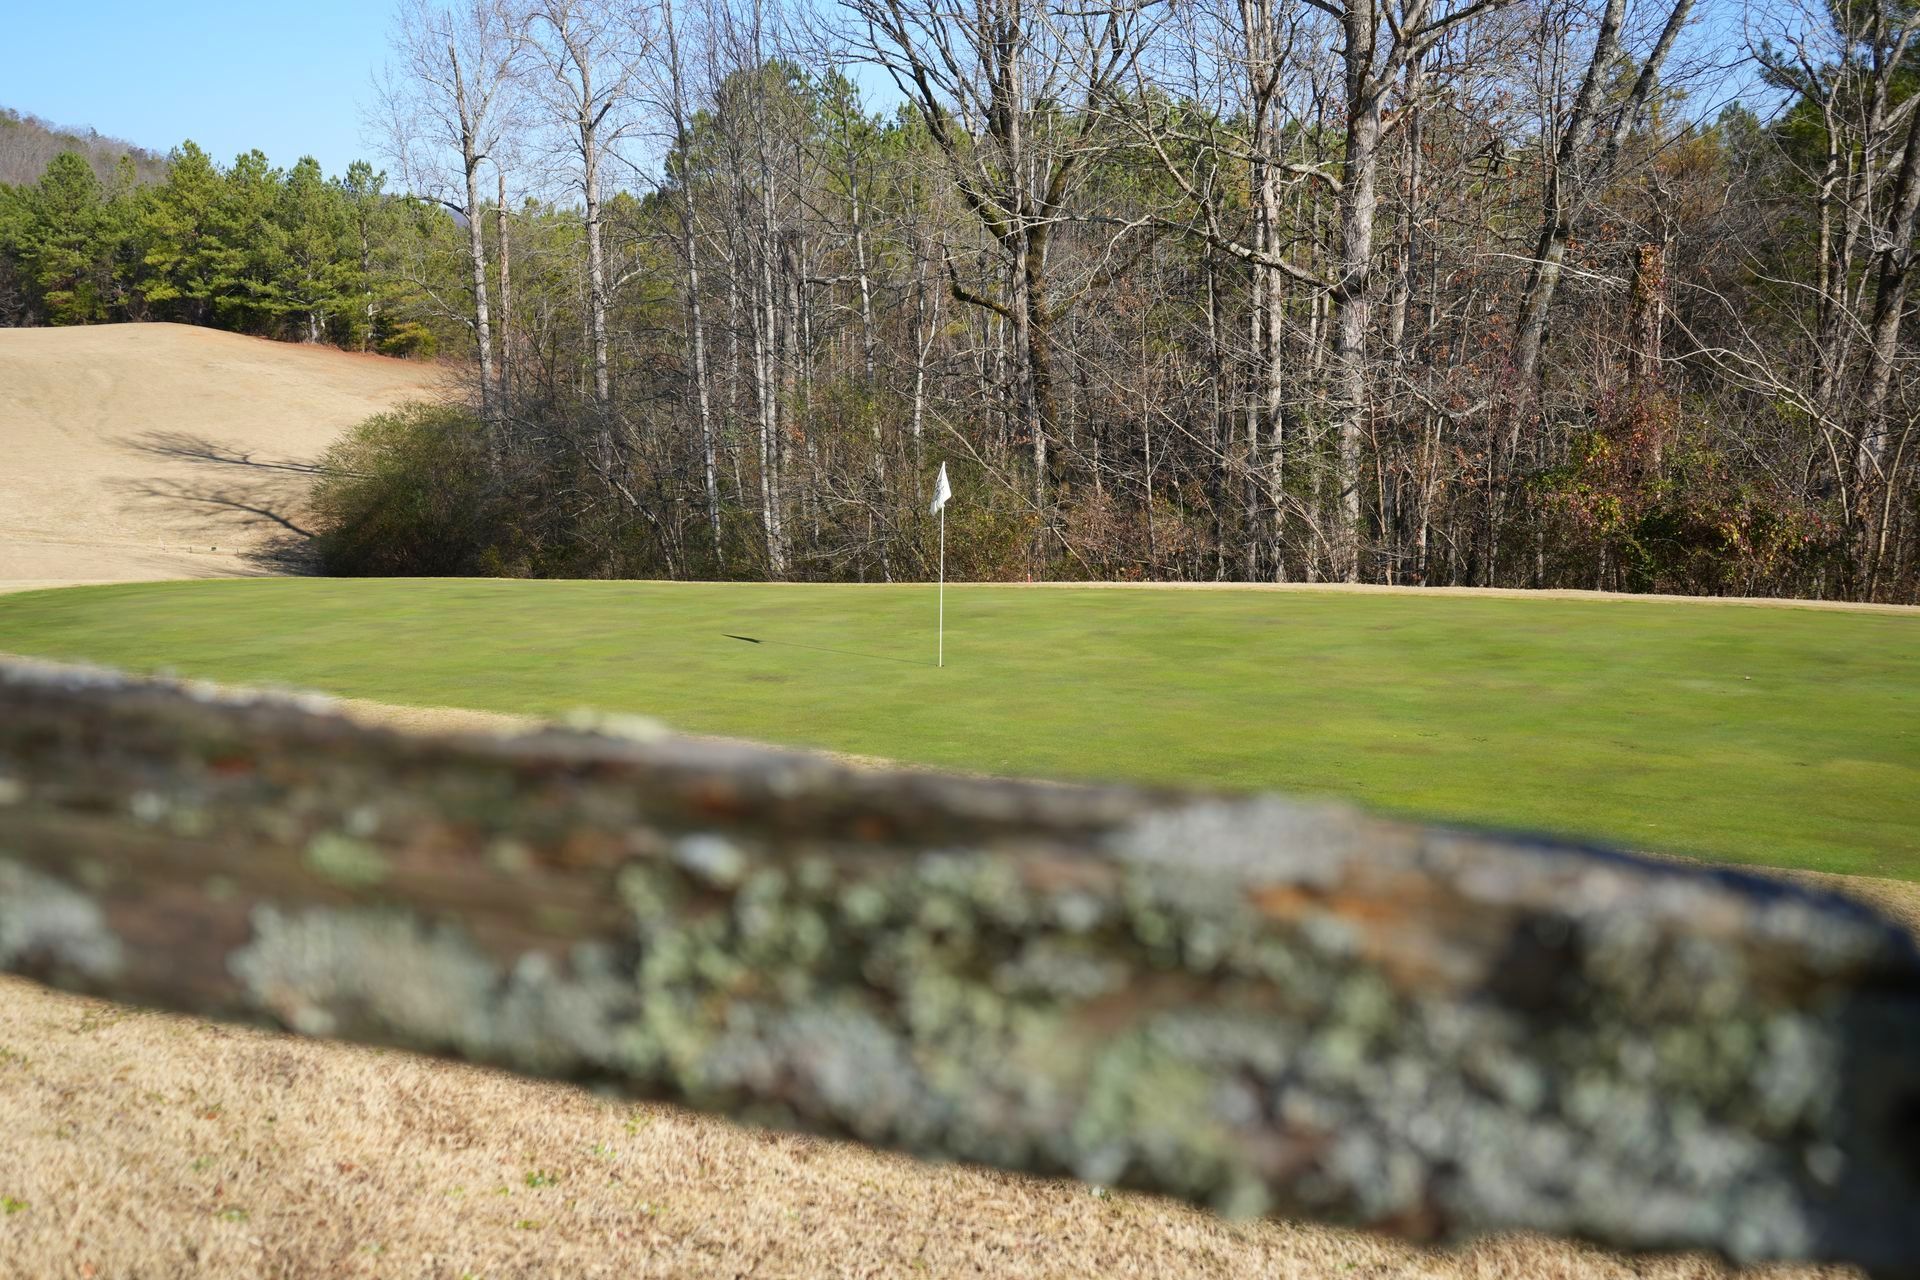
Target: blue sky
{"x":294,"y":78}
{"x":288,"y":78}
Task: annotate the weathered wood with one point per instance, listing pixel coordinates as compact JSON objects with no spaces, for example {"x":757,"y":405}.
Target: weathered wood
{"x":1260,"y":1005}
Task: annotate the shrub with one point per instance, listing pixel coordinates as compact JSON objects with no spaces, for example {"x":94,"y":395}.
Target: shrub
{"x":409,"y":339}
{"x":407,"y":493}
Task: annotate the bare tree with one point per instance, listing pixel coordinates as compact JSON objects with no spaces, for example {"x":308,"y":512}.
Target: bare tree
{"x":448,"y":102}
{"x":1575,"y":176}
{"x":676,"y":97}
{"x":588,"y":54}
{"x":1379,"y":41}
{"x":1251,"y":63}
{"x":993,"y":81}
{"x":503,"y":235}
{"x":1845,"y":64}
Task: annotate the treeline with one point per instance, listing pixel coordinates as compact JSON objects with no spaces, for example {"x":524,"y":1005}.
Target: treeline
{"x":1436,"y":291}
{"x":281,"y":253}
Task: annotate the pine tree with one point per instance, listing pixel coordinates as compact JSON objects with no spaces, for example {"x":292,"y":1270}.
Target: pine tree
{"x":16,"y":304}
{"x":316,"y":278}
{"x":60,"y":245}
{"x":119,"y":240}
{"x":370,"y":225}
{"x":174,"y":228}
{"x":248,"y":247}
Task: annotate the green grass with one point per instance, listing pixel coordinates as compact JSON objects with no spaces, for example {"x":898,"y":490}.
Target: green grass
{"x":1781,"y":737}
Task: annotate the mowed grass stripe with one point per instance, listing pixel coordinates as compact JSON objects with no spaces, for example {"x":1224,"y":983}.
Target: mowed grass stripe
{"x":1779,"y":737}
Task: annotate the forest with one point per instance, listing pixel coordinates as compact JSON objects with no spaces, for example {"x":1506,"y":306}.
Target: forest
{"x":1525,"y":293}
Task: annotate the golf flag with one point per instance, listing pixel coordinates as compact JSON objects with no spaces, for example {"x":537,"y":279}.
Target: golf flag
{"x":941,"y":491}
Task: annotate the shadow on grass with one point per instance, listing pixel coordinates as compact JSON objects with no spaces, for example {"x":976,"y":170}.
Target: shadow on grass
{"x":819,"y":648}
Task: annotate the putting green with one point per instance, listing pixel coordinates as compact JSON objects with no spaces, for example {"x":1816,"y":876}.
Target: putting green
{"x":1775,"y":736}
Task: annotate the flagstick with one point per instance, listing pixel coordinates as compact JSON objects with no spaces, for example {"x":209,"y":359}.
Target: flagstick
{"x":940,"y":651}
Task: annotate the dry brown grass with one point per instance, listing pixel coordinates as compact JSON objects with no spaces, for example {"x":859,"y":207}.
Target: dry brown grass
{"x":148,"y":1145}
{"x":124,"y":445}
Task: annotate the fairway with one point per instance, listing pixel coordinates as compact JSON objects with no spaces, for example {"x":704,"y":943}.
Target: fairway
{"x":1774,"y":736}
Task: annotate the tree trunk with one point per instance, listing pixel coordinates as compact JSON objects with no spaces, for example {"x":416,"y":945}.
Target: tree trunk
{"x":1889,"y":309}
{"x":506,"y":295}
{"x":482,"y":318}
{"x":866,"y":288}
{"x":767,"y":395}
{"x":696,"y":323}
{"x":1352,"y":292}
{"x":1219,"y":421}
{"x":926,"y":328}
{"x":766,"y":326}
{"x":596,"y":268}
{"x":477,"y":260}
{"x":1272,"y":303}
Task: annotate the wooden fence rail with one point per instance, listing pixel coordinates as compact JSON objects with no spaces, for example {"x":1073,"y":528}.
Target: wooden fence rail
{"x":1255,"y":1004}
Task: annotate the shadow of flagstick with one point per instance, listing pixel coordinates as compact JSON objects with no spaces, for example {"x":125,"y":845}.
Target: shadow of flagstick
{"x":820,"y":648}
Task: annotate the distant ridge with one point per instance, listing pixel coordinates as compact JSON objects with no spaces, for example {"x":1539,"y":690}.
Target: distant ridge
{"x":27,"y":143}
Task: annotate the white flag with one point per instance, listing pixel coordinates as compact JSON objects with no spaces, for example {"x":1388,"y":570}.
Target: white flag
{"x":941,"y":491}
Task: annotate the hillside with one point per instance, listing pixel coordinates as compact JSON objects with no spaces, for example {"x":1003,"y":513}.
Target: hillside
{"x":168,"y":451}
{"x":27,"y":142}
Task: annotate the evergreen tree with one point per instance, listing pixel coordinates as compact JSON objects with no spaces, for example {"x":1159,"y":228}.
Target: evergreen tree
{"x":16,"y":306}
{"x":369,"y":224}
{"x":119,"y":238}
{"x":316,"y":278}
{"x":175,"y":229}
{"x":59,"y":245}
{"x":248,"y":247}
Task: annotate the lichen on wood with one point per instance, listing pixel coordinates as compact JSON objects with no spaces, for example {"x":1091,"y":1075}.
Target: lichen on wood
{"x":1247,"y":1002}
